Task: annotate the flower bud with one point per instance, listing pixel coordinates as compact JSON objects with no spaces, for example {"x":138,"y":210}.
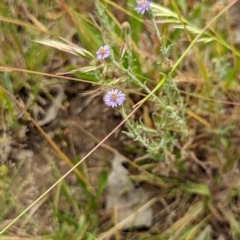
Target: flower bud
{"x":126,"y":28}
{"x":167,"y":66}
{"x":149,"y":14}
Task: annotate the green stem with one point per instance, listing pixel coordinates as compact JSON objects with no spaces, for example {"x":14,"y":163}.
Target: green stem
{"x":184,"y":54}
{"x":131,"y":75}
{"x":160,"y":38}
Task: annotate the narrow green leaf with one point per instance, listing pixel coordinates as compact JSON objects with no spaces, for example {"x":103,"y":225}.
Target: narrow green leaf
{"x":197,"y":188}
{"x":205,"y":234}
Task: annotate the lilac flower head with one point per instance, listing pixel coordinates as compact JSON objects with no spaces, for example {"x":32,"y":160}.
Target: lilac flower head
{"x":114,"y":98}
{"x":142,"y":6}
{"x":103,"y":52}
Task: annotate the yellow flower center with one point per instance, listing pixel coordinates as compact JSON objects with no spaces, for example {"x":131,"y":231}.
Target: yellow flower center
{"x":114,"y":97}
{"x":143,"y":2}
{"x":102,"y":51}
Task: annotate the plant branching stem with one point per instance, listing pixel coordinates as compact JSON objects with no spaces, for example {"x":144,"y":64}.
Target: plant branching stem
{"x":185,"y":52}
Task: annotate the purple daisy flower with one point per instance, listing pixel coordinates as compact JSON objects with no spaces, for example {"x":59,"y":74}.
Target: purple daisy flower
{"x":142,"y":6}
{"x":103,"y":52}
{"x":114,"y":98}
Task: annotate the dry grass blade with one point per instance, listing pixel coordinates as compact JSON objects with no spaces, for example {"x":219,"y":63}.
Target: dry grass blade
{"x":21,"y":23}
{"x":200,"y":119}
{"x":11,"y":69}
{"x":50,"y":141}
{"x":194,"y":213}
{"x":159,"y":10}
{"x":130,"y":218}
{"x":66,"y":47}
{"x":191,"y":179}
{"x":34,"y":19}
{"x":83,"y":70}
{"x":21,"y":238}
{"x":74,"y":168}
{"x":33,"y":210}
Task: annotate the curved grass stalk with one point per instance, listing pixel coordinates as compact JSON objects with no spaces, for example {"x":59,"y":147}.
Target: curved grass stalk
{"x":164,"y":79}
{"x":24,"y":24}
{"x":50,"y":141}
{"x":12,"y":69}
{"x":128,"y":219}
{"x":174,"y":18}
{"x":66,"y":174}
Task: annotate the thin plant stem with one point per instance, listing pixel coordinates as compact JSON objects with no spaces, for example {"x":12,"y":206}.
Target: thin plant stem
{"x":185,"y":53}
{"x":160,"y":38}
{"x":51,"y":142}
{"x":66,"y":174}
{"x":132,"y":76}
